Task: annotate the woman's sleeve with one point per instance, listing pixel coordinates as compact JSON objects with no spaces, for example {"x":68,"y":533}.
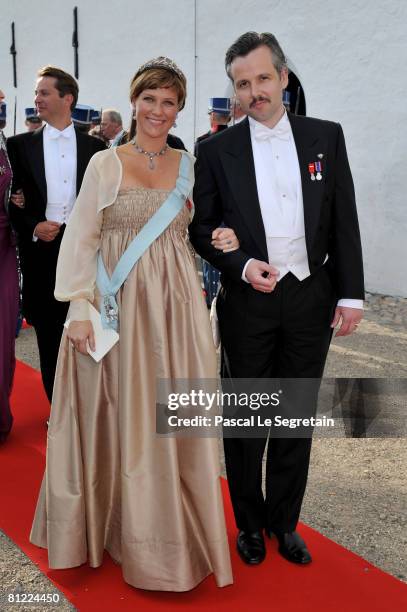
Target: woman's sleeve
{"x":77,"y":260}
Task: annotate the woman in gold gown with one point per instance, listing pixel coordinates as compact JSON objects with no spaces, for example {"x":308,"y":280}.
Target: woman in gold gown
{"x":154,"y":503}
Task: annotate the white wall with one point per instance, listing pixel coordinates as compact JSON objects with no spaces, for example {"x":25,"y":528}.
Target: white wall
{"x":350,"y":58}
{"x":115,"y":38}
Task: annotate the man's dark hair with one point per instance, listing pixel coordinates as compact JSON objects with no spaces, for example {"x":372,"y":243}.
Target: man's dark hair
{"x":249,"y":42}
{"x":64,"y":82}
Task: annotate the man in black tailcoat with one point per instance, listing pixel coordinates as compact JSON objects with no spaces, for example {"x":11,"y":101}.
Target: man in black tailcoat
{"x":48,"y":166}
{"x":283,"y":183}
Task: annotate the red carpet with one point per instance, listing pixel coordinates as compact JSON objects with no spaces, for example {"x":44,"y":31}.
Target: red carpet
{"x":337,"y":580}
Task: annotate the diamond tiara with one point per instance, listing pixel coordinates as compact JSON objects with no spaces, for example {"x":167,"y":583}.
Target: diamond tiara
{"x":162,"y":62}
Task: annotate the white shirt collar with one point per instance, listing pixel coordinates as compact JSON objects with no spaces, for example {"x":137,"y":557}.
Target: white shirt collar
{"x":282,"y":129}
{"x":53,"y":133}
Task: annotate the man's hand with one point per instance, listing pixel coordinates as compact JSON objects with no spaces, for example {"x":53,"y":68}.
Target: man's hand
{"x":224,"y":239}
{"x":349,"y":319}
{"x":47,"y":230}
{"x":18,"y":198}
{"x":80,"y":333}
{"x":261,"y":276}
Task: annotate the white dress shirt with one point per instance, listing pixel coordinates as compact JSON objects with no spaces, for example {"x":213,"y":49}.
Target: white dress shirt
{"x":279,"y":188}
{"x":60,"y":172}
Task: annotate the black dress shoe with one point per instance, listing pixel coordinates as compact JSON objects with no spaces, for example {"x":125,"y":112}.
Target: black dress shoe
{"x":292,"y":547}
{"x":250,"y":547}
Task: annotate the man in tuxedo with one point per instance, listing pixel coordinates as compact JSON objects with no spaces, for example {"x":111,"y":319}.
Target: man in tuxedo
{"x":48,"y":166}
{"x":283,"y":183}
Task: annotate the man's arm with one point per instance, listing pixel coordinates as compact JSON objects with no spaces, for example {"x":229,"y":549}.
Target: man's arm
{"x":22,"y":219}
{"x":209,"y":216}
{"x":347,"y":249}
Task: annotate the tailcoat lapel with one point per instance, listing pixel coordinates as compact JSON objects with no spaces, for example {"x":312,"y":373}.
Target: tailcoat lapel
{"x":35,"y":157}
{"x":309,"y":146}
{"x":238,"y":164}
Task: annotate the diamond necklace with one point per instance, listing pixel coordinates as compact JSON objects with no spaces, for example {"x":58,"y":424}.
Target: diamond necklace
{"x":150,"y":155}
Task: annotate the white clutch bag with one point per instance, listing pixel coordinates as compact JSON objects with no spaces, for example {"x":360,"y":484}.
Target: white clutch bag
{"x":105,"y":339}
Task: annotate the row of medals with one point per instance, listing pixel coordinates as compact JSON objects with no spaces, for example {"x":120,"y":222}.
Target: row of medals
{"x":315,"y":166}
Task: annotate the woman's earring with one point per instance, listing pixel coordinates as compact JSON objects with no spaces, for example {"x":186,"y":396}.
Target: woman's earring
{"x":175,"y":122}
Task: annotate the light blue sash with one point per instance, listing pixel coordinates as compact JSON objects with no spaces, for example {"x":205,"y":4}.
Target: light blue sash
{"x":108,"y":287}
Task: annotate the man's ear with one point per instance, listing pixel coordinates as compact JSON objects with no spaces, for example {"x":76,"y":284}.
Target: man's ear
{"x":69,"y":99}
{"x":284,"y":77}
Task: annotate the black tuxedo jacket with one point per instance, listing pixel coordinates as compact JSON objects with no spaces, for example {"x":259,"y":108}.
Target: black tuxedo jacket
{"x":38,"y":259}
{"x":26,"y":154}
{"x":226,"y":192}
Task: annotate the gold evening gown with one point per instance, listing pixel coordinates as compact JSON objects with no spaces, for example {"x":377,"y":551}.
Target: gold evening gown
{"x":111,"y":483}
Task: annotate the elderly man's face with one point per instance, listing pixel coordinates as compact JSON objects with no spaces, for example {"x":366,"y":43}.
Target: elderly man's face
{"x":108,"y":127}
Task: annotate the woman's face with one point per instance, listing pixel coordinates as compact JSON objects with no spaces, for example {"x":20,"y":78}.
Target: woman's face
{"x":156,"y":111}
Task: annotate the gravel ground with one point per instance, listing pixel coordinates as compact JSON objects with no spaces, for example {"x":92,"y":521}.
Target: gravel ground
{"x":356,"y":491}
{"x":356,"y":496}
{"x":357,"y":488}
{"x":19,"y":575}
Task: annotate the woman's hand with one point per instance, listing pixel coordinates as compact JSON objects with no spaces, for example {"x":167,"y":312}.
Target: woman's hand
{"x":224,"y":239}
{"x":80,"y":333}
